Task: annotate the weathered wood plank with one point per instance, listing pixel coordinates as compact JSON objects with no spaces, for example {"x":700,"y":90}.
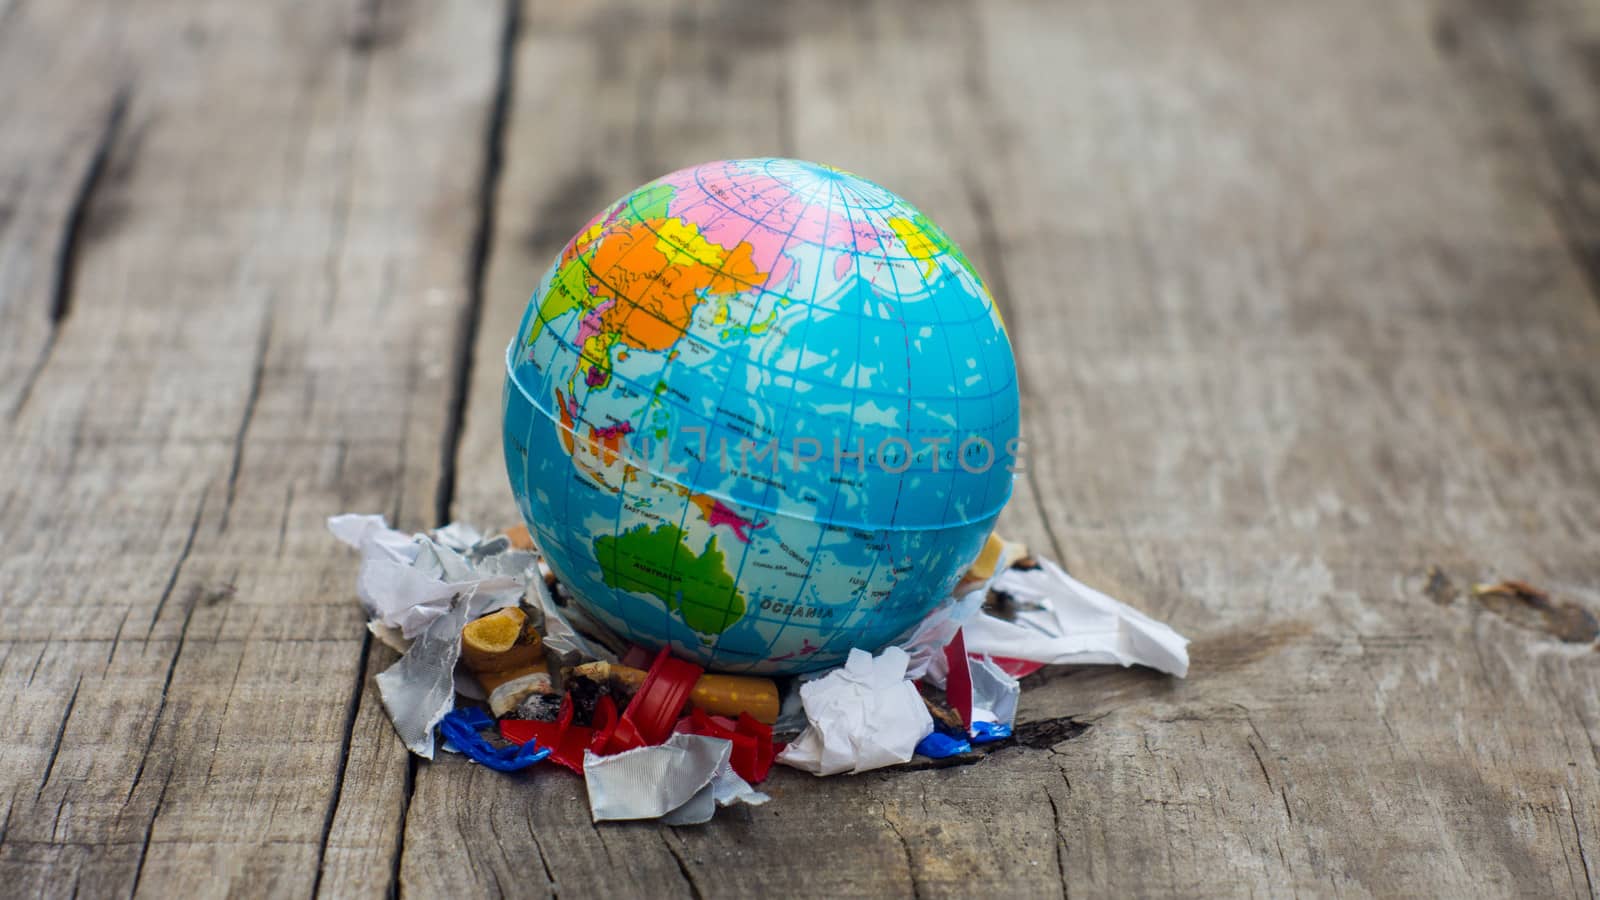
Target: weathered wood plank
{"x":1322,"y":335}
{"x":266,"y":253}
{"x":1304,"y":299}
{"x":1295,"y":321}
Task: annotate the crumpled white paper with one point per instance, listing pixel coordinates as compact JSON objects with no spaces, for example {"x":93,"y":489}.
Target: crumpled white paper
{"x":994,"y":691}
{"x":560,"y":637}
{"x":1062,"y":621}
{"x":925,"y":641}
{"x":924,"y":646}
{"x":420,"y":591}
{"x":864,"y":715}
{"x":681,"y":782}
{"x":419,"y":690}
{"x":407,"y":582}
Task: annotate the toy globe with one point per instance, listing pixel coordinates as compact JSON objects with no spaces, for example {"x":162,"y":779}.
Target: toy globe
{"x":761,"y":412}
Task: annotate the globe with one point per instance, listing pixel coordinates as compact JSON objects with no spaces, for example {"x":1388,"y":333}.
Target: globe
{"x":762,"y":412}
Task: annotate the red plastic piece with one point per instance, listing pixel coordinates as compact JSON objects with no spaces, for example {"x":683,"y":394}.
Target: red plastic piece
{"x":655,"y":708}
{"x":958,"y":683}
{"x":565,"y":740}
{"x":753,"y":748}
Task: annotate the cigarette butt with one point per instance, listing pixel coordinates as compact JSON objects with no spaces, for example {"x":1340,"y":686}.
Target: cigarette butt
{"x":508,"y":689}
{"x":492,"y":681}
{"x":623,"y":679}
{"x":730,"y":695}
{"x":996,"y":550}
{"x":720,"y":695}
{"x":520,"y":538}
{"x":500,"y":641}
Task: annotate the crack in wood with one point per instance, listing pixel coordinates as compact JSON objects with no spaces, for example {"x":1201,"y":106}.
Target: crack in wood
{"x":466,"y":334}
{"x":1045,"y":734}
{"x":283,"y":522}
{"x":149,"y":828}
{"x":683,"y":866}
{"x":33,"y":672}
{"x":478,"y":258}
{"x":1260,"y":762}
{"x":544,"y":859}
{"x":72,"y":233}
{"x":408,"y":790}
{"x":1577,"y":836}
{"x":905,"y":847}
{"x":351,"y":709}
{"x":177,"y":568}
{"x":172,"y":667}
{"x":257,"y":374}
{"x":1061,"y":842}
{"x":61,"y":732}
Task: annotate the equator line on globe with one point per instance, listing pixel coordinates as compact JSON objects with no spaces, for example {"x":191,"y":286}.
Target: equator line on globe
{"x":761,"y":411}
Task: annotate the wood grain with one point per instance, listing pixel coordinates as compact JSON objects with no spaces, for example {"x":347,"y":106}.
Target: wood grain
{"x":1305,"y":300}
{"x":239,"y":295}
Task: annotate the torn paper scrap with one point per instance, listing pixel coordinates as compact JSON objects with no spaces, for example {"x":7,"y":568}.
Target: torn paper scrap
{"x":994,"y":699}
{"x":1060,"y":620}
{"x":409,"y":599}
{"x":864,"y":715}
{"x":925,"y":641}
{"x":683,"y":780}
{"x":560,"y":637}
{"x":419,"y":690}
{"x":924,"y":646}
{"x":373,"y":537}
{"x":406,"y":582}
{"x":458,"y":536}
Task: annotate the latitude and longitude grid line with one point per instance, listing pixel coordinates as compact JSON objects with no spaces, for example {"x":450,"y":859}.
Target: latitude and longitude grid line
{"x":578,"y":415}
{"x":888,"y":263}
{"x":960,"y":402}
{"x":842,"y":633}
{"x":622,"y":493}
{"x":887,"y":259}
{"x":727,"y":385}
{"x":968,"y":401}
{"x":988,"y":376}
{"x":894,"y":515}
{"x":688,"y":505}
{"x":833,"y":184}
{"x":588,"y":266}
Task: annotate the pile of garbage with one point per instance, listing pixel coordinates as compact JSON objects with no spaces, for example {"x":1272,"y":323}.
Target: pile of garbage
{"x":500,"y":666}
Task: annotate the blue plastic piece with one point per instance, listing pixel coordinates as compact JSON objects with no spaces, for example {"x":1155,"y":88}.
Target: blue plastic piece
{"x":940,"y":745}
{"x":461,"y":728}
{"x":989,"y":732}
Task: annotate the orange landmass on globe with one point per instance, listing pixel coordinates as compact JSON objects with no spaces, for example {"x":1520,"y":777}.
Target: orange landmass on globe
{"x":644,"y":278}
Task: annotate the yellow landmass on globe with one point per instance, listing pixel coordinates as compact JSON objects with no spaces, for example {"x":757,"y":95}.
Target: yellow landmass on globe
{"x":922,"y":246}
{"x":640,"y":281}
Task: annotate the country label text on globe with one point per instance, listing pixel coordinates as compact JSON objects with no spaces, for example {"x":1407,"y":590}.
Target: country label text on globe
{"x":761,"y":411}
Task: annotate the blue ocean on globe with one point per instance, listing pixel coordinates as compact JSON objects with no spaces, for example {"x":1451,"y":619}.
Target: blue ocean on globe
{"x":761,"y":412}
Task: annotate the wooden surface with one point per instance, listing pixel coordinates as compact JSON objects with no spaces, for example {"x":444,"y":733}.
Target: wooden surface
{"x":1305,"y":294}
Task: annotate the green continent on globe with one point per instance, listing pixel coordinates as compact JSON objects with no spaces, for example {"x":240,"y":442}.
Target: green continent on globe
{"x":661,"y":563}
